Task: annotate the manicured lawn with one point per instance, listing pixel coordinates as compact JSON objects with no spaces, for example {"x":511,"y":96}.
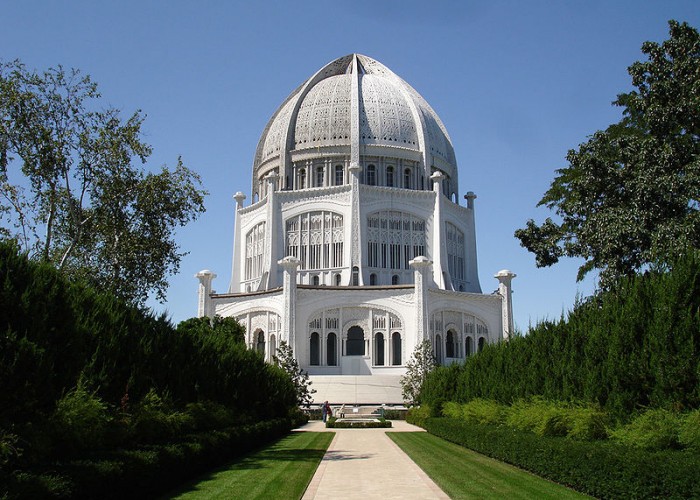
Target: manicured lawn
{"x":462,"y":473}
{"x":282,"y":470}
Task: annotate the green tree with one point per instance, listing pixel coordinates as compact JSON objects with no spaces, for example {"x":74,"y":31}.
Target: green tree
{"x":629,"y":197}
{"x":71,"y":189}
{"x":302,"y":385}
{"x":422,"y":362}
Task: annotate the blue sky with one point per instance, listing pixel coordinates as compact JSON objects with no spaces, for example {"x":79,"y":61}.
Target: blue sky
{"x":516,"y":83}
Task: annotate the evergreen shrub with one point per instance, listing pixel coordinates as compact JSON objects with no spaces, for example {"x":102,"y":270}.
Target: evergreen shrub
{"x":416,"y":415}
{"x":653,"y":429}
{"x":81,"y":421}
{"x":636,"y":345}
{"x":484,"y":411}
{"x":689,"y":435}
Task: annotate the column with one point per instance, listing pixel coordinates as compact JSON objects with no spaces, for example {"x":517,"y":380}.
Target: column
{"x":238,"y":247}
{"x":505,"y":290}
{"x":204,"y":303}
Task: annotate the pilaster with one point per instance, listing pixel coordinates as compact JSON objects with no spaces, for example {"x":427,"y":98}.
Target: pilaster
{"x":269,"y":274}
{"x":289,"y":293}
{"x":421,"y":266}
{"x":441,"y":276}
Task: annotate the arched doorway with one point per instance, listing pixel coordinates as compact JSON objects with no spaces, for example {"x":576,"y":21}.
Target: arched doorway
{"x":396,"y":348}
{"x":314,"y":350}
{"x":469,"y":346}
{"x":355,"y":344}
{"x":260,"y":344}
{"x":482,"y":343}
{"x":379,"y":349}
{"x":450,"y":344}
{"x":332,"y":349}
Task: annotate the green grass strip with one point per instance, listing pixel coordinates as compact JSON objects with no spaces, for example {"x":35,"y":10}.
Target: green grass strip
{"x":463,"y":473}
{"x":282,"y":470}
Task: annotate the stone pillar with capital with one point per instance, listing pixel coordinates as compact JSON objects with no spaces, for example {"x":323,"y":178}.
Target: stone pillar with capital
{"x":204,"y":303}
{"x":440,"y":275}
{"x":505,"y":290}
{"x":289,"y":293}
{"x":238,"y":245}
{"x":421,"y":266}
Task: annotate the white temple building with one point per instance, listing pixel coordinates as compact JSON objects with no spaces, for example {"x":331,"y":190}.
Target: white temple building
{"x":355,"y":247}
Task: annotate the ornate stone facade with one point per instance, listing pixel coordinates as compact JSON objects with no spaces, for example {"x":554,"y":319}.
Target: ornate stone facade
{"x":355,"y":247}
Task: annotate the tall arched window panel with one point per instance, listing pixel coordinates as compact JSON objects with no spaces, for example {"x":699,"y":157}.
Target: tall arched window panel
{"x":254,"y":251}
{"x":316,"y":239}
{"x":455,"y":256}
{"x":394,"y":239}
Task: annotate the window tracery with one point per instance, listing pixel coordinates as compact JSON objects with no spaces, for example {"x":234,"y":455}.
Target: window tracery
{"x":394,"y":239}
{"x":316,"y":239}
{"x":455,"y":255}
{"x":254,"y":251}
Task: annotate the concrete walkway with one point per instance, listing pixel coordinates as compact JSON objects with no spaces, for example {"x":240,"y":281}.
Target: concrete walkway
{"x":366,"y":464}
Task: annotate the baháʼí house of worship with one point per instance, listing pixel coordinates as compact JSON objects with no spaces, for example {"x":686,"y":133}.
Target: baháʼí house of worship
{"x":355,"y":247}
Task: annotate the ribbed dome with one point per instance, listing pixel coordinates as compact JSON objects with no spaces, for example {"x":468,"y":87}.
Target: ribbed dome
{"x":354,"y":102}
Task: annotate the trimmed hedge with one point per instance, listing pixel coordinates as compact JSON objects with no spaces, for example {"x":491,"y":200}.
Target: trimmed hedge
{"x":333,"y":423}
{"x":600,"y":469}
{"x":143,"y":472}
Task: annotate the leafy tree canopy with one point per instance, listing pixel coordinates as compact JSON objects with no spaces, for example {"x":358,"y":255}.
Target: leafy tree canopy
{"x":71,"y":189}
{"x":422,"y":362}
{"x":300,"y":378}
{"x":629,"y":197}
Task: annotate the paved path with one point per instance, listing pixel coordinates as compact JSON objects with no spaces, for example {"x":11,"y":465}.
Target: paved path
{"x":366,"y":464}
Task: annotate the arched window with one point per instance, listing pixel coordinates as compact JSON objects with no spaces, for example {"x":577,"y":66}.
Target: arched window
{"x":315,"y":280}
{"x":355,"y":344}
{"x":314,"y":350}
{"x":260,"y":347}
{"x":390,"y":176}
{"x":319,"y":176}
{"x":469,"y":346}
{"x":337,"y":279}
{"x":371,"y":175}
{"x":339,"y":175}
{"x":450,"y":344}
{"x":482,"y":343}
{"x":395,"y":279}
{"x":332,"y":349}
{"x":438,"y":349}
{"x":396,"y":348}
{"x":407,"y":179}
{"x":355,"y":276}
{"x":302,"y":178}
{"x":372,"y":279}
{"x":379,"y":349}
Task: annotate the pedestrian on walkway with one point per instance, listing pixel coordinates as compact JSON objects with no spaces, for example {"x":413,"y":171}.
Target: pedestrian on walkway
{"x":326,"y":410}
